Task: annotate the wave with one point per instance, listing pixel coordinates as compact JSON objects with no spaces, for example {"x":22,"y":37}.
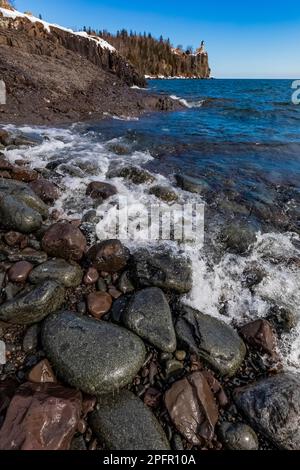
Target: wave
{"x":187,"y":104}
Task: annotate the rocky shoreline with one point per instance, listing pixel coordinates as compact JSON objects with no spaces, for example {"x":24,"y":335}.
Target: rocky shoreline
{"x":101,"y":351}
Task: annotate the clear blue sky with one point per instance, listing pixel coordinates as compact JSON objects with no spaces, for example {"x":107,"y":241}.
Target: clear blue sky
{"x":254,"y":38}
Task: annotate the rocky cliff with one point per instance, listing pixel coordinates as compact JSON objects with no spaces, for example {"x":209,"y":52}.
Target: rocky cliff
{"x":55,"y":74}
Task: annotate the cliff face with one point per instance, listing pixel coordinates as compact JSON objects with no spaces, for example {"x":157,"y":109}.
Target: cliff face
{"x":55,"y":75}
{"x":157,"y":58}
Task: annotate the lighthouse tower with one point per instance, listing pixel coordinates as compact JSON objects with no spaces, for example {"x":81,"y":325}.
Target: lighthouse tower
{"x":201,"y":49}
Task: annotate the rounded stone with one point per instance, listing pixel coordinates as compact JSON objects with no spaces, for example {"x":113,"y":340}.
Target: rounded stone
{"x":238,"y":436}
{"x":99,"y":303}
{"x":68,"y":274}
{"x":20,"y":271}
{"x":109,"y":255}
{"x":96,"y":357}
{"x":98,"y":189}
{"x":91,"y":276}
{"x":46,"y":190}
{"x":64,"y":240}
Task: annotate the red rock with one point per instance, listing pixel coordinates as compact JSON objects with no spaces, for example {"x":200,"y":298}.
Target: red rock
{"x":41,"y":417}
{"x":260,"y":333}
{"x":20,"y":271}
{"x":216,"y":388}
{"x":109,"y":255}
{"x":99,"y":303}
{"x":46,"y":190}
{"x":63,"y":240}
{"x":98,"y":189}
{"x":75,"y":222}
{"x":152,"y":397}
{"x":192,"y":408}
{"x":23,"y":174}
{"x":42,"y":373}
{"x":4,"y":137}
{"x":91,"y":276}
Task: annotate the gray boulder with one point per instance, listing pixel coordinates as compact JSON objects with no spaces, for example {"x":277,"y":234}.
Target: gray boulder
{"x":70,"y":275}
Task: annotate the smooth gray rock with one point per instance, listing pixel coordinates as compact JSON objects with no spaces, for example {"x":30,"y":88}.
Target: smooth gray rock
{"x":30,"y":340}
{"x":95,"y":356}
{"x":213,"y":340}
{"x":70,"y":275}
{"x":132,"y":173}
{"x":25,"y":194}
{"x":149,"y":316}
{"x":34,"y":304}
{"x":15,"y":215}
{"x":272,"y":406}
{"x":238,"y":436}
{"x":123,"y":422}
{"x":192,"y":184}
{"x":237,"y":237}
{"x":162,"y":269}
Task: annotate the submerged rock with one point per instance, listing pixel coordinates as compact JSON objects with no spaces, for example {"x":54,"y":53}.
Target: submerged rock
{"x":132,"y":173}
{"x":109,"y":256}
{"x":192,"y":184}
{"x":123,"y":422}
{"x":31,"y":306}
{"x":94,"y":356}
{"x":164,"y":193}
{"x":213,"y":340}
{"x":192,"y":408}
{"x":237,"y":237}
{"x":64,"y":240}
{"x":238,"y":436}
{"x":68,"y":274}
{"x":272,"y":406}
{"x":100,"y":190}
{"x":148,"y":314}
{"x":162,"y":269}
{"x":41,"y":417}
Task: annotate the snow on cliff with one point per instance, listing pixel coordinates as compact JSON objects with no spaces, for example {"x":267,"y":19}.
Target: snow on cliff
{"x":16,"y":14}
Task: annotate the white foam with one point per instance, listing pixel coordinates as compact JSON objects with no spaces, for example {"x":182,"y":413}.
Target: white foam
{"x":192,"y":104}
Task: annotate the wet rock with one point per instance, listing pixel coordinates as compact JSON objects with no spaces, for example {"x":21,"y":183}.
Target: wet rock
{"x":14,"y":238}
{"x":152,"y":397}
{"x":272,"y":406}
{"x":109,"y":255}
{"x":132,"y":173}
{"x":63,"y":240}
{"x":125,"y":285}
{"x":172,"y":368}
{"x":192,"y":184}
{"x":91,"y":217}
{"x":99,"y":303}
{"x":162,"y":269}
{"x":238,"y":436}
{"x":91,"y":276}
{"x":42,"y":373}
{"x":28,"y":254}
{"x":101,"y":285}
{"x":23,"y":174}
{"x":78,"y":443}
{"x":148,"y":314}
{"x":41,"y":417}
{"x":164,"y":193}
{"x":96,"y":357}
{"x":34,"y":304}
{"x":20,"y":271}
{"x":16,"y":215}
{"x":100,"y":190}
{"x":253,"y":275}
{"x":119,"y":307}
{"x":284,"y":320}
{"x":68,"y":274}
{"x":71,"y":170}
{"x":125,"y":423}
{"x":30,"y":340}
{"x":45,"y":190}
{"x":215,"y":341}
{"x":260,"y":334}
{"x":238,"y":237}
{"x":192,"y":408}
{"x":24,"y":194}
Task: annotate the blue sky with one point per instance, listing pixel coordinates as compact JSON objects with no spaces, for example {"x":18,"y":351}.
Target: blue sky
{"x":256,"y":38}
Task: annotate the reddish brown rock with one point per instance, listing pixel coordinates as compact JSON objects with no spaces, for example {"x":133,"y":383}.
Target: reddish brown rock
{"x":20,"y":271}
{"x":115,"y":293}
{"x":14,"y":238}
{"x":7,"y":391}
{"x":63,"y":240}
{"x":91,"y":276}
{"x":99,"y":303}
{"x":109,"y":255}
{"x":5,"y":165}
{"x":42,"y":373}
{"x":192,"y":408}
{"x":41,"y":417}
{"x":23,"y":174}
{"x":152,"y":397}
{"x":46,"y":190}
{"x":260,"y":334}
{"x":216,"y":388}
{"x":100,"y":190}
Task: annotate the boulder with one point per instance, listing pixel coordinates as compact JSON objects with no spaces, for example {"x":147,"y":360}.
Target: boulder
{"x":100,"y":190}
{"x":211,"y":339}
{"x":34,"y":304}
{"x":148,"y":314}
{"x":123,"y":422}
{"x":64,"y":240}
{"x":162,"y":269}
{"x":259,"y":333}
{"x":192,"y":408}
{"x":238,"y":436}
{"x":164,"y":193}
{"x":94,"y":356}
{"x":192,"y":184}
{"x":272,"y":406}
{"x":68,"y":274}
{"x":41,"y":417}
{"x":132,"y":173}
{"x":109,"y":256}
{"x":45,"y":190}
